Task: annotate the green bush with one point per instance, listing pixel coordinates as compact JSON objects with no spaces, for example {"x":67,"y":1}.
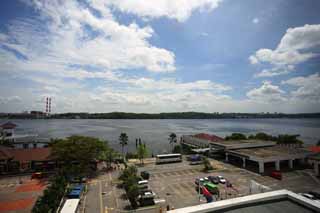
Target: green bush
{"x":177,"y":149}
{"x":206,"y":164}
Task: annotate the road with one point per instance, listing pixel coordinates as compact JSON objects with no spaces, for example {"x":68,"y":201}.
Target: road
{"x":102,"y":195}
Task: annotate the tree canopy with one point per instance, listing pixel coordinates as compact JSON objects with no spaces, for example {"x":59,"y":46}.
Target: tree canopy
{"x":78,"y":152}
{"x":142,"y":152}
{"x":123,"y":140}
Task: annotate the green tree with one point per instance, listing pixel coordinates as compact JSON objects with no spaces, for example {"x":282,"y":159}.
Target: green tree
{"x":236,"y":136}
{"x":206,"y":164}
{"x":177,"y":149}
{"x":172,"y":139}
{"x":51,"y":197}
{"x":77,"y":153}
{"x":109,"y":155}
{"x":263,"y":136}
{"x":123,"y":138}
{"x":142,"y":152}
{"x":130,"y":180}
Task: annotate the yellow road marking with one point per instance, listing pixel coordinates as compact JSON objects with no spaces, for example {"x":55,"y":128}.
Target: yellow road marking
{"x":84,"y":203}
{"x":100,"y":196}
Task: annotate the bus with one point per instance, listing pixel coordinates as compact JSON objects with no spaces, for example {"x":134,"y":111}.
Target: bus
{"x":168,"y":158}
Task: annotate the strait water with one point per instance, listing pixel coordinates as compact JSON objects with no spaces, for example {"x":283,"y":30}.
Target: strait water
{"x":155,"y":132}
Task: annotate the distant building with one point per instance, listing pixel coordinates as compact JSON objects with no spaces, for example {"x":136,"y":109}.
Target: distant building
{"x":38,"y":114}
{"x":17,"y":160}
{"x":20,"y":141}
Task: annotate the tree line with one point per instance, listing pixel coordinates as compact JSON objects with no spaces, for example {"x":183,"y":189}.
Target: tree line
{"x":170,"y":115}
{"x":280,"y":139}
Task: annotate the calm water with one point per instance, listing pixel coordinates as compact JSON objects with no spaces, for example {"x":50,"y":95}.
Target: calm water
{"x":155,"y":132}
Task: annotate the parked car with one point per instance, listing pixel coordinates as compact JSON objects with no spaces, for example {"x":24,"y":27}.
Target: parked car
{"x":37,"y":175}
{"x":214,"y":179}
{"x":315,"y":194}
{"x":222,"y":179}
{"x":145,"y":175}
{"x":228,"y":184}
{"x":201,"y":180}
{"x":276,"y":175}
{"x":212,"y":188}
{"x":147,"y":198}
{"x":198,"y":180}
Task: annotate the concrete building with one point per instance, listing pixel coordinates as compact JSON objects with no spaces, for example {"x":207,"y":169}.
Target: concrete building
{"x":274,"y":154}
{"x":254,"y":152}
{"x":269,"y":202}
{"x":18,"y":160}
{"x":215,"y":143}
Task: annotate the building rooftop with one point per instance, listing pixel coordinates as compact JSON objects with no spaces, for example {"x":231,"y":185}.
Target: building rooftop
{"x":274,"y":206}
{"x":265,"y":153}
{"x":5,"y":153}
{"x":213,"y":138}
{"x":240,"y":144}
{"x":24,"y":155}
{"x":268,"y":202}
{"x":8,"y":125}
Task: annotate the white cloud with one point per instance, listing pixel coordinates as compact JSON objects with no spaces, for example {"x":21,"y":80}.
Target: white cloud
{"x":204,"y":34}
{"x":275,"y":71}
{"x":266,"y":93}
{"x":180,"y":10}
{"x":74,"y":35}
{"x":10,"y":99}
{"x":295,"y":47}
{"x":308,"y":88}
{"x":255,"y":20}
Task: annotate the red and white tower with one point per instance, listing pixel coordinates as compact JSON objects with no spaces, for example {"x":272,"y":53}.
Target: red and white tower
{"x":48,"y":106}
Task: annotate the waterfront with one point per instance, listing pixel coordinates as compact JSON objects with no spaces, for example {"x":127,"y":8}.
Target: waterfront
{"x":155,"y":132}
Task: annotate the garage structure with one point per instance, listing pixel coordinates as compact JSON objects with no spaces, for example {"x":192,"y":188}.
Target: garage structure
{"x":251,"y":152}
{"x":273,"y":154}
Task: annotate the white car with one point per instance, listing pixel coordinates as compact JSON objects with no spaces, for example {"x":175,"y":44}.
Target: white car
{"x":222,"y":179}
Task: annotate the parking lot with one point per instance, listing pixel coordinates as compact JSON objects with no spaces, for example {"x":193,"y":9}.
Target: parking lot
{"x":175,"y":183}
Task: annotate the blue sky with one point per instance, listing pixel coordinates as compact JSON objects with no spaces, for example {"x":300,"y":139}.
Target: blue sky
{"x":160,"y":56}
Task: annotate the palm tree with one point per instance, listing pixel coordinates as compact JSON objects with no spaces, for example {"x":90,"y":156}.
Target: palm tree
{"x":123,"y":138}
{"x":172,"y":139}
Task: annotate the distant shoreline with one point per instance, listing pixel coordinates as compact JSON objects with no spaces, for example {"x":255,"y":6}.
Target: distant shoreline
{"x":172,"y":115}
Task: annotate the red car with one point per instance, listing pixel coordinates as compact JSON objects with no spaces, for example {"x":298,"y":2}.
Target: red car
{"x":276,"y":175}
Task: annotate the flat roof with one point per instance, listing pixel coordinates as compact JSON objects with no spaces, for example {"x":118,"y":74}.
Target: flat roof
{"x":268,"y":202}
{"x":236,"y":144}
{"x":274,"y":206}
{"x":167,"y":155}
{"x":271,"y":153}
